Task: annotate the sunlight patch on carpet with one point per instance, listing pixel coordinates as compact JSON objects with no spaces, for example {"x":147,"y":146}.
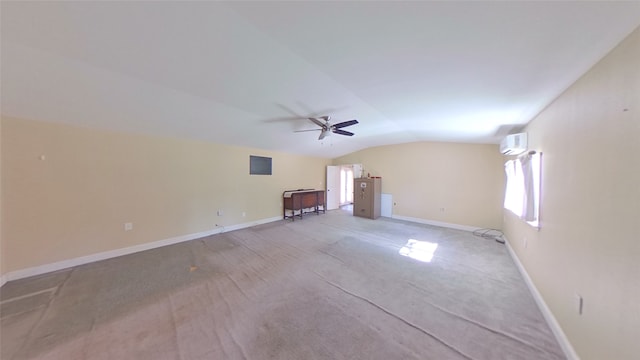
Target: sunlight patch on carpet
{"x":419,"y":250}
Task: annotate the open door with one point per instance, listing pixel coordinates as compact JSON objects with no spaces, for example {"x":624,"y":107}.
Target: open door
{"x":333,"y":187}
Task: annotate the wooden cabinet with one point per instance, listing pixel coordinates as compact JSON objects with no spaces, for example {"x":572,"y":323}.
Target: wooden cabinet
{"x":302,"y":201}
{"x":366,"y":197}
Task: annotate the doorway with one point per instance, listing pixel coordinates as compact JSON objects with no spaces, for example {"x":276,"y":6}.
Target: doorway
{"x":346,"y":185}
{"x":340,"y":185}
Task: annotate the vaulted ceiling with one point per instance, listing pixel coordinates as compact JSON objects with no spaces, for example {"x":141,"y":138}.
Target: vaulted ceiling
{"x":250,"y":73}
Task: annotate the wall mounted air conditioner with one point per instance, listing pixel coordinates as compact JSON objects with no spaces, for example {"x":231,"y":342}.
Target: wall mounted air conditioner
{"x":514,"y":144}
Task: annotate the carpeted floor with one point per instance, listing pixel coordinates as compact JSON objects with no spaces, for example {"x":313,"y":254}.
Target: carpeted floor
{"x":331,"y":286}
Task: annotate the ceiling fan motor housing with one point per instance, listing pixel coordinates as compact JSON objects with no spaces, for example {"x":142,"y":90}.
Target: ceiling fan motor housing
{"x":326,"y":127}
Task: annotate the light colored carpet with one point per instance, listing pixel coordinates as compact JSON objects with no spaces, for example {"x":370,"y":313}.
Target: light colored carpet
{"x":331,"y":286}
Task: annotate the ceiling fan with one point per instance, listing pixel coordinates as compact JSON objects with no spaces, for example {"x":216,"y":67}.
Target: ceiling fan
{"x":327,"y":128}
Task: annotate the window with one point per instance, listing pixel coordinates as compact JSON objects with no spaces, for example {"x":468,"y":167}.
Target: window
{"x":522,"y":193}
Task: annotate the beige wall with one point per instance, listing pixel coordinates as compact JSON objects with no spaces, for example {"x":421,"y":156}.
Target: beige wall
{"x":589,"y":242}
{"x":466,"y":180}
{"x":75,"y":202}
{"x":2,"y":264}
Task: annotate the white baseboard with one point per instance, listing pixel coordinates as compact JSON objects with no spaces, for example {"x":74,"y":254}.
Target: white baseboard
{"x":43,"y":269}
{"x":250,"y":224}
{"x":566,"y":346}
{"x":436,"y":223}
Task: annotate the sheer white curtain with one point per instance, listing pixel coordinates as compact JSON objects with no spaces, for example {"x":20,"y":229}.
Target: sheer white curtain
{"x":532,"y":171}
{"x":513,"y":193}
{"x":522,"y":194}
{"x":528,"y":198}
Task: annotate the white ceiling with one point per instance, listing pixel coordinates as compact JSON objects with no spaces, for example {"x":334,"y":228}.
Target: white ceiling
{"x":248,"y":73}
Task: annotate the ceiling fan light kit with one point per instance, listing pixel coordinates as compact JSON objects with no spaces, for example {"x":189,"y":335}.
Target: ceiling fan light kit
{"x":326,"y":128}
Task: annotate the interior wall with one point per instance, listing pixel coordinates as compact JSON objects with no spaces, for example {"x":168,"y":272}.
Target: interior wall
{"x":68,"y":191}
{"x":459,"y":184}
{"x":588,"y":243}
{"x":2,"y":265}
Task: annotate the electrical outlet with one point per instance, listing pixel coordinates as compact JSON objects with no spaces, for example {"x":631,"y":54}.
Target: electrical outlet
{"x":220,"y":212}
{"x":128,"y":226}
{"x":244,"y":214}
{"x":441,"y":209}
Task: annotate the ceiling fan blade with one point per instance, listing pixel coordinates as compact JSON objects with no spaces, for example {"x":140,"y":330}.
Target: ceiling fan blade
{"x":307,"y":130}
{"x":318,"y":122}
{"x":323,"y":134}
{"x":325,"y":118}
{"x":342,"y":132}
{"x":345,"y":124}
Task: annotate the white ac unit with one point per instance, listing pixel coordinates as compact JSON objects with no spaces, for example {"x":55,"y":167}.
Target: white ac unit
{"x":514,"y":144}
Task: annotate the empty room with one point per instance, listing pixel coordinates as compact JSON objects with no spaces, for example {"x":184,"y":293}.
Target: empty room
{"x":319,"y":180}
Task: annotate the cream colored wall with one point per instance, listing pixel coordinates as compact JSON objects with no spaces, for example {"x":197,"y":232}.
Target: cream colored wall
{"x":75,"y":202}
{"x":466,"y":180}
{"x":589,"y":242}
{"x":2,"y":265}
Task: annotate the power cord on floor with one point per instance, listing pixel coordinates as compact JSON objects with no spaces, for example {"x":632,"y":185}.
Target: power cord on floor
{"x":492,"y":234}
